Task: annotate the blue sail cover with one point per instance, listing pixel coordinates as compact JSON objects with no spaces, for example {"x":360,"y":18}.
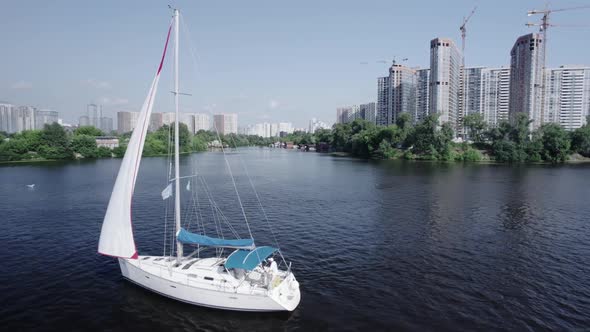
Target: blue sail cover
{"x":187,"y":237}
{"x":248,"y":259}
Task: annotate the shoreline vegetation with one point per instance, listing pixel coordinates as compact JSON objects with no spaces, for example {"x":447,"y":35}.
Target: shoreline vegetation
{"x":53,"y":143}
{"x":427,"y":140}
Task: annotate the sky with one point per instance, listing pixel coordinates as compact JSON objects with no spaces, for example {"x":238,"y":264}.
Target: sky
{"x":267,"y":61}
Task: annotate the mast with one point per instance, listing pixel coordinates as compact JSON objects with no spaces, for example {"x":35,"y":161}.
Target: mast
{"x":176,"y":142}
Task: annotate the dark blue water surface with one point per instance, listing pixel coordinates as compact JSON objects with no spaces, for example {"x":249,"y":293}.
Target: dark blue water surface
{"x":374,"y":245}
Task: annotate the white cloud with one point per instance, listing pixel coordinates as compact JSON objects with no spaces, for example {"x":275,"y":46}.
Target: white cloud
{"x":22,"y":85}
{"x":272,"y":104}
{"x":112,"y":101}
{"x":96,"y":84}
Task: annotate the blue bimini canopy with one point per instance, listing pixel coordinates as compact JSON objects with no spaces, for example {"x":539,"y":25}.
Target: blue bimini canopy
{"x":187,"y":237}
{"x":248,"y":259}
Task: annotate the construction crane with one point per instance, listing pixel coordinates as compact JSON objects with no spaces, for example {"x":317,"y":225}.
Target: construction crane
{"x":463,"y":29}
{"x":383,"y":61}
{"x":544,"y":26}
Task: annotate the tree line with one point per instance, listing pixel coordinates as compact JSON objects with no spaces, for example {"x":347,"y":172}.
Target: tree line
{"x":53,"y":142}
{"x":429,"y":140}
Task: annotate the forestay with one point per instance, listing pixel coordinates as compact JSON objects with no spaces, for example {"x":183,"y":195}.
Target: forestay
{"x":116,"y":237}
{"x":187,"y":237}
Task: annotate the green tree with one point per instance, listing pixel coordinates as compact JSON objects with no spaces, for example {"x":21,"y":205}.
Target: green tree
{"x":323,"y":136}
{"x":199,"y":144}
{"x":85,"y":145}
{"x":55,"y":143}
{"x":581,"y":140}
{"x":444,"y":142}
{"x":104,"y":152}
{"x":119,"y":151}
{"x":534,"y":148}
{"x":363,"y":142}
{"x":520,"y":133}
{"x":476,"y":127}
{"x":88,"y":130}
{"x":386,"y":151}
{"x":342,"y":134}
{"x":424,"y":137}
{"x":404,"y":122}
{"x":504,"y":150}
{"x":14,"y":149}
{"x":556,"y":143}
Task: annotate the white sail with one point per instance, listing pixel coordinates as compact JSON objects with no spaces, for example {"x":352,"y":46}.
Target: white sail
{"x":116,"y":237}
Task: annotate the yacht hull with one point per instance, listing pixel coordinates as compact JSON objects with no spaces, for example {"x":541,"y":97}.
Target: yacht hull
{"x":179,"y":286}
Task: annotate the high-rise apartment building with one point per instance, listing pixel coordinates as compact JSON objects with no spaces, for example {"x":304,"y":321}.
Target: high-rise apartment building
{"x":274,"y":130}
{"x":126,"y":121}
{"x":226,"y":123}
{"x":445,"y":72}
{"x":353,"y":114}
{"x":202,"y":122}
{"x":396,"y":94}
{"x":567,"y":99}
{"x":6,"y":123}
{"x":495,"y":95}
{"x":486,"y":92}
{"x":168,"y":118}
{"x":526,"y":78}
{"x":368,"y":112}
{"x":383,"y":101}
{"x":83,"y":121}
{"x":189,"y":120}
{"x":285,"y":127}
{"x":106,"y":124}
{"x":24,"y":118}
{"x":94,"y":113}
{"x":43,"y":117}
{"x":156,"y":122}
{"x":422,"y":94}
{"x":473,"y":90}
{"x":345,"y":114}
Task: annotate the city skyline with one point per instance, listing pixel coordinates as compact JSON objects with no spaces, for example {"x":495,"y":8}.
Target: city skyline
{"x":88,"y":75}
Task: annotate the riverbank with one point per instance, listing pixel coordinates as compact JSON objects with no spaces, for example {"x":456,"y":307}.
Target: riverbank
{"x":574,"y":158}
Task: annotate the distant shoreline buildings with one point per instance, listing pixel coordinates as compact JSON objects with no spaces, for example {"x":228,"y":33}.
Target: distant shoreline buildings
{"x":94,"y":117}
{"x":267,"y":129}
{"x":546,"y":95}
{"x":14,"y":119}
{"x":126,"y":121}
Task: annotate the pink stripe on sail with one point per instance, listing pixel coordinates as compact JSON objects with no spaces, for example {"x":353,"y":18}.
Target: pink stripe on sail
{"x":165,"y":48}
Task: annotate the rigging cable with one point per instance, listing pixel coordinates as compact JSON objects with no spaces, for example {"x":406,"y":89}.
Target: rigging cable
{"x":260,"y":204}
{"x":193,"y":57}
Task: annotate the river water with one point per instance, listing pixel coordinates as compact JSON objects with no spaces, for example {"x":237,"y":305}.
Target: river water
{"x":385,"y":245}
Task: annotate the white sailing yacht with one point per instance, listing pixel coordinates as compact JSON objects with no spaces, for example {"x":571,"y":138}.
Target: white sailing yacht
{"x":239,"y":281}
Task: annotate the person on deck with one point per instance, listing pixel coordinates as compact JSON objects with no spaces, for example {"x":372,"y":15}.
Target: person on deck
{"x":273,"y":266}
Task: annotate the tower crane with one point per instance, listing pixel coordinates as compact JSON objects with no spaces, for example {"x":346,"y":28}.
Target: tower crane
{"x":544,"y":25}
{"x":463,"y":29}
